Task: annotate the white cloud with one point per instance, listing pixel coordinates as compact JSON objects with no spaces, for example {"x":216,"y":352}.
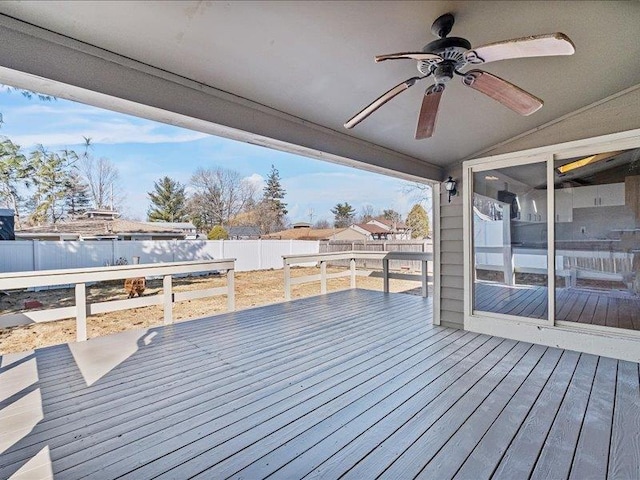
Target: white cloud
{"x":256,"y":180}
{"x":108,"y":133}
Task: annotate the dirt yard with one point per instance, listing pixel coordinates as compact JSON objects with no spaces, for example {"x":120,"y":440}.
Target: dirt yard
{"x":252,"y":289}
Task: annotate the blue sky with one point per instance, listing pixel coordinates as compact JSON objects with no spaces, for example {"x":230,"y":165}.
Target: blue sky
{"x":144,"y":151}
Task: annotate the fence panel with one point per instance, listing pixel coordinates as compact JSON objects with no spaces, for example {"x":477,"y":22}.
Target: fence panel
{"x":377,"y":246}
{"x":16,"y":256}
{"x":24,"y":256}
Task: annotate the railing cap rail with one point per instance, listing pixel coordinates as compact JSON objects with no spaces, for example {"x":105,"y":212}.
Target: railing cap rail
{"x":43,"y":278}
{"x":359,"y":254}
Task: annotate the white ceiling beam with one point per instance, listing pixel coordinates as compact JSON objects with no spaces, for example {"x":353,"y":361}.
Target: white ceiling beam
{"x":46,"y":62}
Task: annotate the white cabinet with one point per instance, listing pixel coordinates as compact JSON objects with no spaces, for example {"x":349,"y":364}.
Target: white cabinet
{"x":585,"y":197}
{"x":605,"y":195}
{"x":611,"y":194}
{"x":564,"y":205}
{"x":534,"y":206}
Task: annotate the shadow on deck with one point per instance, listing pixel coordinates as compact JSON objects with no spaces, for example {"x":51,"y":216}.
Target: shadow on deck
{"x":356,"y":383}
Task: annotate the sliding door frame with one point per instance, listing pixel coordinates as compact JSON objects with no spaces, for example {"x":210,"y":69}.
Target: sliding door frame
{"x":600,"y":340}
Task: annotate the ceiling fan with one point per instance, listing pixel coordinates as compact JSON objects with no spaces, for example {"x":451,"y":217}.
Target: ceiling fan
{"x":447,"y":56}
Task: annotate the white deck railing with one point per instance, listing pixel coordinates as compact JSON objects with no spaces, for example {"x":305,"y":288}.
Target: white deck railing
{"x":352,"y":256}
{"x":81,"y":276}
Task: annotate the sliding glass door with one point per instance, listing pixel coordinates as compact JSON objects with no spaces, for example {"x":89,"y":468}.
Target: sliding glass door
{"x":597,"y":239}
{"x":568,"y":224}
{"x":510,"y":247}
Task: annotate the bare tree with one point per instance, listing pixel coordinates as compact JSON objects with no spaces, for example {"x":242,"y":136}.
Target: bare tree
{"x":420,"y":193}
{"x":103,"y":179}
{"x":220,"y":195}
{"x":323,"y":223}
{"x":367,"y":212}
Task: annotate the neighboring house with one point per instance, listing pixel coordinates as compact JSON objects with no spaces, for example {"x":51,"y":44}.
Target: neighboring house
{"x":101,"y":214}
{"x":246,"y":232}
{"x":7,"y":224}
{"x":304,"y":233}
{"x":398,"y":230}
{"x":99,"y":229}
{"x":188,"y":228}
{"x":363,"y":231}
{"x":302,"y":225}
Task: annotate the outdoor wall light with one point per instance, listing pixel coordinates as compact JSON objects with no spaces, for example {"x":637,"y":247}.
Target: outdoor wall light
{"x":450,"y":186}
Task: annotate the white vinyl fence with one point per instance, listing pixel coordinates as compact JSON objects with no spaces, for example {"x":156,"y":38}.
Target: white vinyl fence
{"x":25,"y":256}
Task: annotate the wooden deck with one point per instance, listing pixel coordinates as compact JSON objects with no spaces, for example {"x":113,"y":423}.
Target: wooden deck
{"x":355,"y":384}
{"x":609,"y":309}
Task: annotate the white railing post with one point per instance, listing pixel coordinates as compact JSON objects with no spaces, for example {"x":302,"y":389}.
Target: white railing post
{"x":425,"y":276}
{"x":81,"y":312}
{"x":352,"y":267}
{"x":287,"y":280}
{"x":385,"y":274}
{"x":323,"y":276}
{"x":168,"y":299}
{"x":231,"y":290}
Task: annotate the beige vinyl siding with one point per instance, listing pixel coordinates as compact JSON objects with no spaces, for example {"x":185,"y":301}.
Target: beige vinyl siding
{"x":451,"y":257}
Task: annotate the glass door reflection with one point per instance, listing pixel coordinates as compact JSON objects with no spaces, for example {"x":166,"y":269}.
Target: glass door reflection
{"x":597,"y":239}
{"x":510,"y":244}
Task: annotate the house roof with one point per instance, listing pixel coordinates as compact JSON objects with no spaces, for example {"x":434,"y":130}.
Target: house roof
{"x":98,"y":227}
{"x":304,"y":234}
{"x":371,"y":228}
{"x":174,"y":225}
{"x":390,"y":223}
{"x":288,"y":106}
{"x":244,"y":231}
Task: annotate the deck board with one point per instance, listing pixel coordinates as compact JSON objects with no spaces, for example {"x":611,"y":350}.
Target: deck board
{"x":354,"y":383}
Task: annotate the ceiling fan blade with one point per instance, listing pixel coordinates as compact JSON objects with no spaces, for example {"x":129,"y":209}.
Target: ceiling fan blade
{"x":381,"y":100}
{"x":410,"y":55}
{"x":429,"y":111}
{"x":506,"y":93}
{"x":536,"y":46}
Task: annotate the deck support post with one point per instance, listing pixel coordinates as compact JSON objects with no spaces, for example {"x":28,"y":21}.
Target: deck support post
{"x":385,"y":271}
{"x":231,"y":290}
{"x":168,"y":299}
{"x":352,"y":268}
{"x":323,"y":277}
{"x":287,"y":280}
{"x":81,"y":312}
{"x":425,"y":276}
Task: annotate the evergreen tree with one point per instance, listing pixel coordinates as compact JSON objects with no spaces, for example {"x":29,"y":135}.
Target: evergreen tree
{"x":15,"y":172}
{"x":51,"y":173}
{"x":168,"y":202}
{"x":418,"y":221}
{"x":77,"y":196}
{"x":343,"y":215}
{"x":272,"y":199}
{"x":218,"y":233}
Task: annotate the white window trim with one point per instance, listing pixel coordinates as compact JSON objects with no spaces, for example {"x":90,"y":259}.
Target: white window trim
{"x":608,"y":341}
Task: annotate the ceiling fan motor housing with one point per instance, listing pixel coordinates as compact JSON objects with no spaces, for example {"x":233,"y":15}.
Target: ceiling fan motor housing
{"x":452,"y":49}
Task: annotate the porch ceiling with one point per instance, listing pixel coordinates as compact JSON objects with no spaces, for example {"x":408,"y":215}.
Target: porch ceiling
{"x":314,"y":60}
